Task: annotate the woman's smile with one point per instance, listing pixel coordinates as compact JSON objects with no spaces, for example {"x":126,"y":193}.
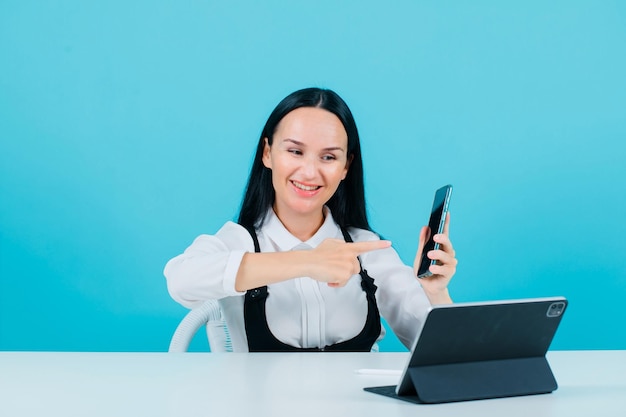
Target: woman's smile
{"x":305,"y":189}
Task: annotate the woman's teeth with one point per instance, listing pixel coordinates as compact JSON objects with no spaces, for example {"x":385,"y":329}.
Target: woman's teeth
{"x":305,"y":187}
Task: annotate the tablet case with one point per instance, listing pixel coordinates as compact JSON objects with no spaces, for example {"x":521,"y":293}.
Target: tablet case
{"x":473,"y":351}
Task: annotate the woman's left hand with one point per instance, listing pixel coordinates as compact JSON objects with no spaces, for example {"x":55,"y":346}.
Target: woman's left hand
{"x":436,"y":285}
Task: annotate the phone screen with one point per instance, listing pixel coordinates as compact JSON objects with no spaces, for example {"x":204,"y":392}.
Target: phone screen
{"x":435,"y":226}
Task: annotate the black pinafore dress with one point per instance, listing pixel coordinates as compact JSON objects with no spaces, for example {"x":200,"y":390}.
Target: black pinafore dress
{"x":261,"y":339}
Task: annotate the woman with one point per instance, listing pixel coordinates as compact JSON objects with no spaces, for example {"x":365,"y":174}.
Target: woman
{"x":302,"y":269}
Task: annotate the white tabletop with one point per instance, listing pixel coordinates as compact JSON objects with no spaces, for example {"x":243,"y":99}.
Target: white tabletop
{"x":591,"y":383}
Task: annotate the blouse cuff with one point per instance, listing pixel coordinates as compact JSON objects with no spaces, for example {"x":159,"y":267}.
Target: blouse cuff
{"x":230,"y":273}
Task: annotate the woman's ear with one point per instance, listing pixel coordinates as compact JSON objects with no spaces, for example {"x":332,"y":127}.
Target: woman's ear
{"x":267,"y":159}
{"x":347,"y":168}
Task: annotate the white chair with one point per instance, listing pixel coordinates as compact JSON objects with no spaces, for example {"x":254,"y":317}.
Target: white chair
{"x":209,"y":314}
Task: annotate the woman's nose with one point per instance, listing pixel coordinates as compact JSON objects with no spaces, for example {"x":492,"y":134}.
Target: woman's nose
{"x":309,"y":167}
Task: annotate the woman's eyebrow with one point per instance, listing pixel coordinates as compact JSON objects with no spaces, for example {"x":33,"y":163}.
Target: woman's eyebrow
{"x":334,"y":148}
{"x":295,"y":142}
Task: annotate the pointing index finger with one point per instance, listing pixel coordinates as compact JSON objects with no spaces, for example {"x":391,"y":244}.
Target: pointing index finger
{"x":368,"y":246}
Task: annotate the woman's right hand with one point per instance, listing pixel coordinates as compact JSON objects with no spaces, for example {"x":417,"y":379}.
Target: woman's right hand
{"x":335,"y":261}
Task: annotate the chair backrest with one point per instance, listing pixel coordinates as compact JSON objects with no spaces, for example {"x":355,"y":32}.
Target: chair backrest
{"x":209,"y":314}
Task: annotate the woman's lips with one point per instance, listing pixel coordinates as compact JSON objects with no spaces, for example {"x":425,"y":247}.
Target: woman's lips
{"x":304,"y":188}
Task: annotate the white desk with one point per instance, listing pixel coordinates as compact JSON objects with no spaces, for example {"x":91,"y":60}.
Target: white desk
{"x":591,"y":383}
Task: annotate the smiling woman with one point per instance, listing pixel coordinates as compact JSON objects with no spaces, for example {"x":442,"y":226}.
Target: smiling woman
{"x":294,"y":274}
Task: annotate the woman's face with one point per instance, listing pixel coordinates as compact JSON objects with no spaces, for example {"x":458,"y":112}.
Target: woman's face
{"x":308,"y":159}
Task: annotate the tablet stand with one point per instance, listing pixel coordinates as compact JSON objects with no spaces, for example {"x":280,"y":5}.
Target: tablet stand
{"x":481,"y":380}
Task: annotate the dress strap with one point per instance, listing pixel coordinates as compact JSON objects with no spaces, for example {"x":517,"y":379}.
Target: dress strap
{"x":255,"y":239}
{"x":367,"y":282}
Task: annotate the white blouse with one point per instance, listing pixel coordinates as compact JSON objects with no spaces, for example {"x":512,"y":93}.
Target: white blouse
{"x":301,"y":312}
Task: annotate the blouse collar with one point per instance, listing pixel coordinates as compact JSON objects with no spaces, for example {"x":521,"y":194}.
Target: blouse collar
{"x":276,"y":231}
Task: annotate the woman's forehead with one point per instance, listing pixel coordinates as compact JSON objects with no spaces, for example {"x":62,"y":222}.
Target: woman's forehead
{"x":310,"y":125}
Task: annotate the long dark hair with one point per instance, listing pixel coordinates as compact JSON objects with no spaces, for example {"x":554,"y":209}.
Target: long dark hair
{"x":348,"y":203}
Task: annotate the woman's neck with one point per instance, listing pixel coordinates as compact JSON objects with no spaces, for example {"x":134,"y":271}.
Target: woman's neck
{"x":301,"y":226}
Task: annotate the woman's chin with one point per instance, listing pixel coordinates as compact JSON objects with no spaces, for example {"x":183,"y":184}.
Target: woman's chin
{"x":303,"y":209}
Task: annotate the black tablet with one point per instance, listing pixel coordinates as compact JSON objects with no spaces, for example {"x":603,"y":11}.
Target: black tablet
{"x":469,"y":351}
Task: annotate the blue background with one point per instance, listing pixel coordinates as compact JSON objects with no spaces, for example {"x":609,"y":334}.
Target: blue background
{"x":127,"y":128}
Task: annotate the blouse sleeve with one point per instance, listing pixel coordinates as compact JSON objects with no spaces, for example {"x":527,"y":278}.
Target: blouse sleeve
{"x":400,"y":297}
{"x":207,"y":269}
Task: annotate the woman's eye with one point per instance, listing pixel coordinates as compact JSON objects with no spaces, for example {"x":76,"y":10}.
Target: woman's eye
{"x":295,"y":151}
{"x":328,"y":157}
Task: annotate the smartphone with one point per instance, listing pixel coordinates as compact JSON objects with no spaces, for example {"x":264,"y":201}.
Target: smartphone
{"x":435,"y":226}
